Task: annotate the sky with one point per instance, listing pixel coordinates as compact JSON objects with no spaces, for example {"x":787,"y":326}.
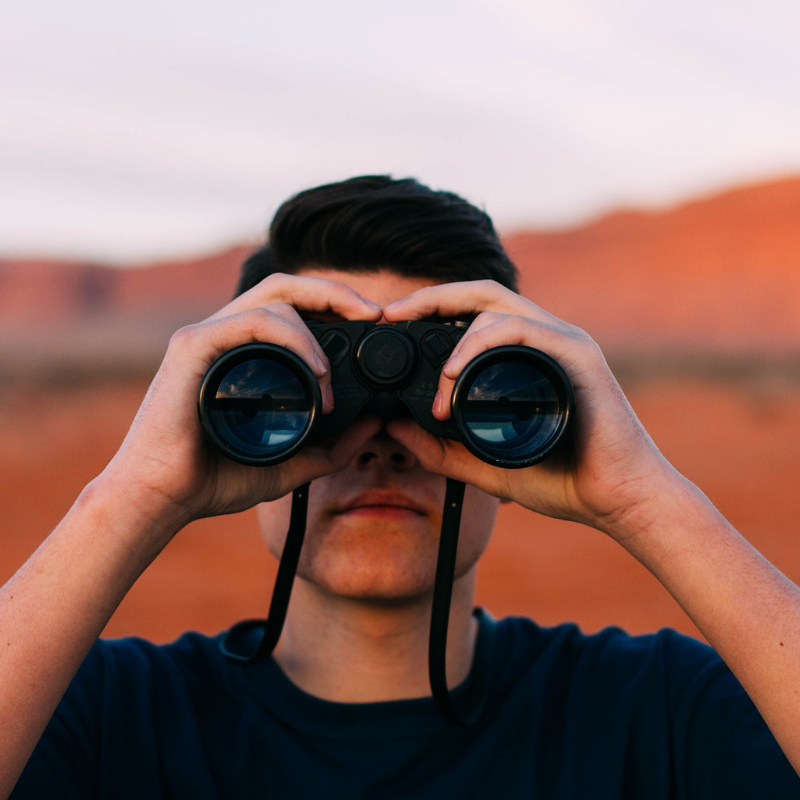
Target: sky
{"x":166,"y":128}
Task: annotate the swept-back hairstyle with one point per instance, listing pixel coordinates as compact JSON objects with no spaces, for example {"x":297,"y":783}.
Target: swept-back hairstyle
{"x":375,"y":221}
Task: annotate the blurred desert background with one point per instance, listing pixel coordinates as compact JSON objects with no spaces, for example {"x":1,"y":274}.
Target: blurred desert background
{"x":696,"y":304}
{"x":641,"y":160}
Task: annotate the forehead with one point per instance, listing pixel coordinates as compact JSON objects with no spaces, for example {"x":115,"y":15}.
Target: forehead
{"x":382,"y":286}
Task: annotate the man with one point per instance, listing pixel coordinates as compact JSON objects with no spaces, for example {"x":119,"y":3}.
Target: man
{"x":343,"y":707}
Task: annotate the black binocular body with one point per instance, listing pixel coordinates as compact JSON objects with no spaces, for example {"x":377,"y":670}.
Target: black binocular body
{"x":260,"y":404}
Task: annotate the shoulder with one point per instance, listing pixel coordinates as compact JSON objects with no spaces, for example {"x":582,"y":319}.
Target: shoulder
{"x":129,"y":687}
{"x":131,"y":710}
{"x":188,"y":648}
{"x":662,"y":698}
{"x":135,"y":666}
{"x":611,"y":648}
{"x":611,"y":669}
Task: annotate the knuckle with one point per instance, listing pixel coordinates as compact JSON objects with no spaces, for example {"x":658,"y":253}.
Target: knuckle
{"x":486,"y":318}
{"x":492,"y":289}
{"x":582,"y":338}
{"x":593,"y":348}
{"x":182,"y":337}
{"x":282,"y":309}
{"x":276,"y":279}
{"x":518,"y":323}
{"x":587,"y":347}
{"x":276,"y":284}
{"x":257,"y":316}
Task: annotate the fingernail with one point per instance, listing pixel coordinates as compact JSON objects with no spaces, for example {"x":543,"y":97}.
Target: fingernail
{"x":437,"y":403}
{"x":329,"y":397}
{"x":320,"y":364}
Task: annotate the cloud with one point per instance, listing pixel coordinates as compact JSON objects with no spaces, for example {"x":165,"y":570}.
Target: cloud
{"x":150,"y":129}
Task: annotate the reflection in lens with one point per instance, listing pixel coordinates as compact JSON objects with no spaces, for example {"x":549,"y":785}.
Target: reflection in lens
{"x":511,"y":410}
{"x":261,"y":408}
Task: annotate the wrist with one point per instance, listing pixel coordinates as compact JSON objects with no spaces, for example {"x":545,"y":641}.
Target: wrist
{"x":659,"y":502}
{"x":656,"y":530}
{"x":139,"y":517}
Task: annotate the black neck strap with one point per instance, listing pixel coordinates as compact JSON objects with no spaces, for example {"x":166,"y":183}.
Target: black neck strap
{"x":242,"y":642}
{"x":253,"y":640}
{"x":440,"y":617}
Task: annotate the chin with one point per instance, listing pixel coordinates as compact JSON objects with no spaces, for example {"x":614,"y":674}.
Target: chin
{"x":393,"y":572}
{"x":381,"y":596}
{"x":382,"y":589}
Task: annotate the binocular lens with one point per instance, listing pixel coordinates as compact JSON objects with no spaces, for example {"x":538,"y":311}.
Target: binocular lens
{"x":259,"y":404}
{"x":260,"y":409}
{"x":512,"y":410}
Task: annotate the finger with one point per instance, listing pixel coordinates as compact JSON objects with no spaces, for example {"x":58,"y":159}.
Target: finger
{"x":314,"y":295}
{"x":291,"y":316}
{"x":484,"y":320}
{"x":564,"y":343}
{"x":244,"y":486}
{"x":200,"y":344}
{"x":463,"y":299}
{"x":329,"y":456}
{"x":494,"y":330}
{"x":441,"y":403}
{"x":448,"y":457}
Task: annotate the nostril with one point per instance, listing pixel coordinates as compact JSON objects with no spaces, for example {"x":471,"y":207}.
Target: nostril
{"x":365,"y":458}
{"x":382,"y":452}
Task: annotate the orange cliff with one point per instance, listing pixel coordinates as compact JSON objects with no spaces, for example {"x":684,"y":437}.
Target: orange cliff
{"x":717,"y":275}
{"x":52,"y":292}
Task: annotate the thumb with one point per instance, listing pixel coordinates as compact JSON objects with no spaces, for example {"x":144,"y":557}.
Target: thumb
{"x":446,"y":457}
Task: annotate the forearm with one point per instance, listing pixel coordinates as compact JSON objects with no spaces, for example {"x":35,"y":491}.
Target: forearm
{"x":56,"y":606}
{"x":748,"y":610}
{"x":611,"y":476}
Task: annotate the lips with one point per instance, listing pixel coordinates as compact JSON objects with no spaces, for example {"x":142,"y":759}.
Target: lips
{"x":382,"y":501}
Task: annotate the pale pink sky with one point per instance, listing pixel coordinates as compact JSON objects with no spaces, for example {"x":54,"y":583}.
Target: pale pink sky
{"x":173,"y":127}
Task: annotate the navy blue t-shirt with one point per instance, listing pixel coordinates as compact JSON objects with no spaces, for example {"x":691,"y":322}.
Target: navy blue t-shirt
{"x":567,"y":716}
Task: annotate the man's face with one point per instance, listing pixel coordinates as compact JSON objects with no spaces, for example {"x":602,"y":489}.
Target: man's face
{"x":373,"y":528}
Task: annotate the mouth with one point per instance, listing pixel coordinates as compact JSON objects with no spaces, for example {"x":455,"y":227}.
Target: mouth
{"x":382,"y":504}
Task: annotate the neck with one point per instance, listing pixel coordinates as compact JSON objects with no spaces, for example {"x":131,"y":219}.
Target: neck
{"x":356,"y":651}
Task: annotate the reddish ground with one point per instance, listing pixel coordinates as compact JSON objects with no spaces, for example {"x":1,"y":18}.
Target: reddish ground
{"x":737,"y":441}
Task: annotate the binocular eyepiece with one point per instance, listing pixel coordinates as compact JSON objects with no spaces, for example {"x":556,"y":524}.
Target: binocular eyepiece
{"x":260,"y":404}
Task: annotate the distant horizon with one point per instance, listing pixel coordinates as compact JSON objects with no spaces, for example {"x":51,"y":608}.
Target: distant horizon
{"x":210,"y":250}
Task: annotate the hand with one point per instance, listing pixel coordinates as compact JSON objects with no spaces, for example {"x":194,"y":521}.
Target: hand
{"x":610,"y":468}
{"x":166,"y":466}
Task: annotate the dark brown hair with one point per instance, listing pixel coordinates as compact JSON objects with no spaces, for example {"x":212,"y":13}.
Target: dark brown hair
{"x":375,"y":221}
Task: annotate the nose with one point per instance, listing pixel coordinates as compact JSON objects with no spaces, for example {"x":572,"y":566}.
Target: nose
{"x":382,"y":452}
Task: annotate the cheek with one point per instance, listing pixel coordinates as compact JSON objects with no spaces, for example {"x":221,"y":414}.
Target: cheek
{"x":477,"y":523}
{"x":273,"y":521}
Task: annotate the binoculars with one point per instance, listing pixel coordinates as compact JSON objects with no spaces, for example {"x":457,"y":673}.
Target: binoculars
{"x":260,"y":404}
